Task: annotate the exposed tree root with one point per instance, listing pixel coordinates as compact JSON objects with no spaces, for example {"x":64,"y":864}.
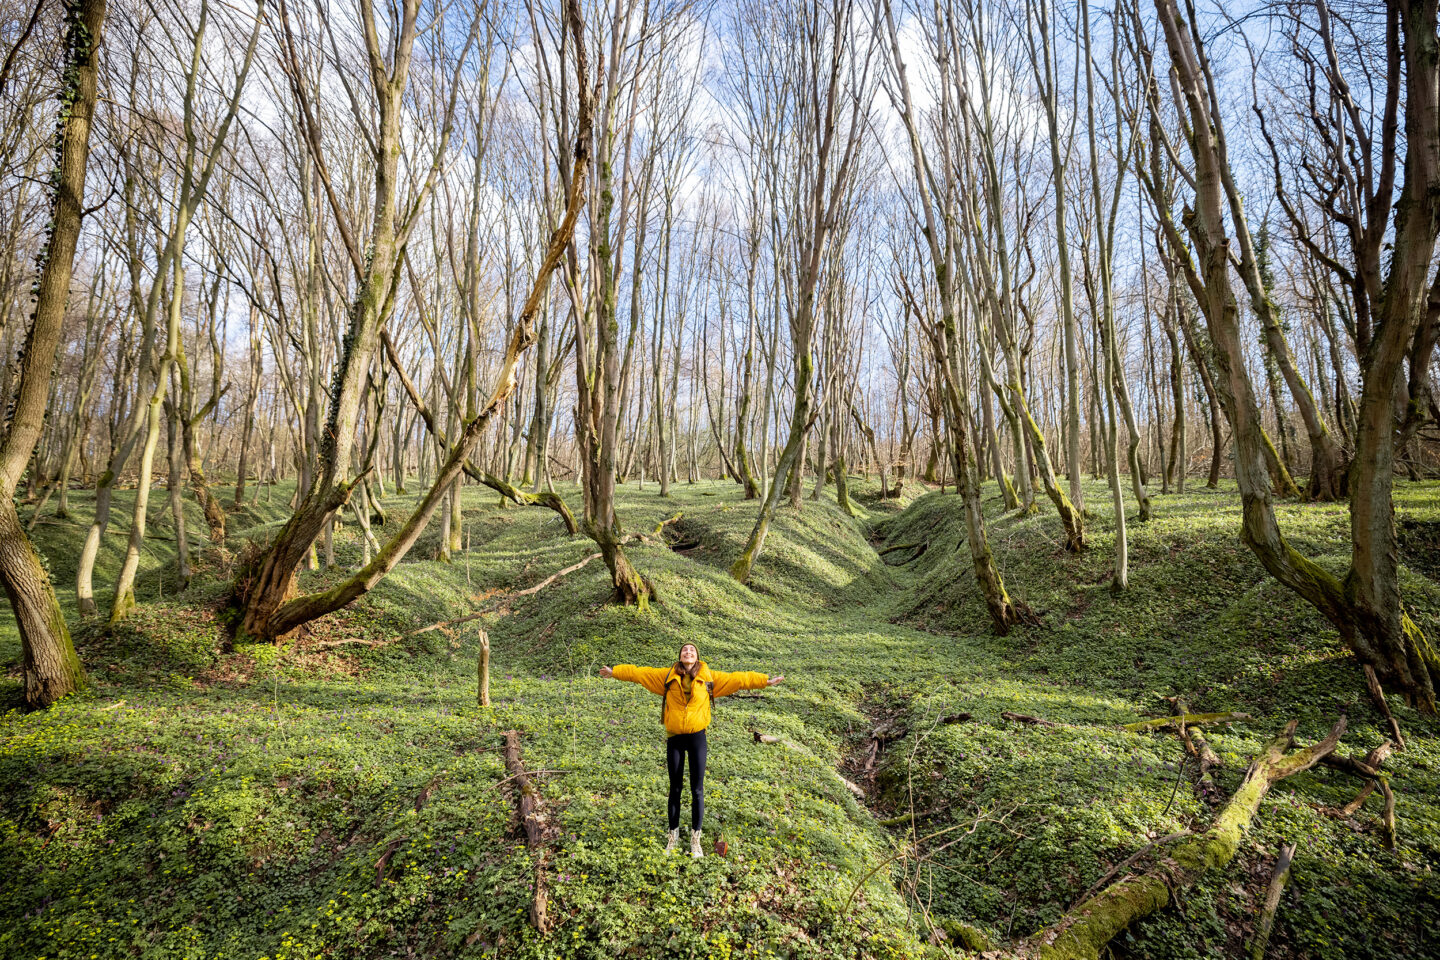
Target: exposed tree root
{"x":1084,"y":932}
{"x":383,"y":864}
{"x":1377,"y":693}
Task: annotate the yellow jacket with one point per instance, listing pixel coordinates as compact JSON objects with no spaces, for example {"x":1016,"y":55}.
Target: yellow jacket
{"x":688,"y":714}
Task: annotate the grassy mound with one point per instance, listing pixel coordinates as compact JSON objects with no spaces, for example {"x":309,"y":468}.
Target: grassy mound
{"x":199,"y":802}
{"x":1202,"y":622}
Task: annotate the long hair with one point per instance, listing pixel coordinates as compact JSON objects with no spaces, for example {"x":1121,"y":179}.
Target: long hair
{"x":691,"y":670}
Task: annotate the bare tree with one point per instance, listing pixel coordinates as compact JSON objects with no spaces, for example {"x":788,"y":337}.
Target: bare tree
{"x":828,"y":98}
{"x":1366,"y":606}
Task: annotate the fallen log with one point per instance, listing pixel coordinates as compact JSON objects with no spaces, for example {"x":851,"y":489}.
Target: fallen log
{"x":507,"y":490}
{"x":1126,"y":864}
{"x":1272,"y":902}
{"x":1198,"y":747}
{"x":1187,"y":720}
{"x":1351,"y":808}
{"x":532,"y":820}
{"x":482,"y":670}
{"x":905,"y":818}
{"x":1369,"y":771}
{"x":327,"y":644}
{"x":1026,"y":718}
{"x":552,"y":578}
{"x":1083,"y":933}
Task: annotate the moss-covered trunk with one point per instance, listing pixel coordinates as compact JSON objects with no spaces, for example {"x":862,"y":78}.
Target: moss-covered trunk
{"x":1084,"y":933}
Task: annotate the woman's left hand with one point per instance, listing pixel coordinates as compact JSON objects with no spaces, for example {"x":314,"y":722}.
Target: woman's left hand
{"x":774,"y":680}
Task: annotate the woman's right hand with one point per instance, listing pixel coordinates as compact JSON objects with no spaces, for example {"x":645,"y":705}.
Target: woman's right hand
{"x":606,"y":673}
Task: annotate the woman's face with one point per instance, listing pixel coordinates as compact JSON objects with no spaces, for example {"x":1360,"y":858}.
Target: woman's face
{"x":688,"y":654}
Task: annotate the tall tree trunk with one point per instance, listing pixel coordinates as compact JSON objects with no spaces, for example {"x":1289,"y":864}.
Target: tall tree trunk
{"x":50,"y":667}
{"x":302,"y":610}
{"x":173,"y":485}
{"x":252,"y":397}
{"x":123,"y":603}
{"x":1366,"y":607}
{"x":1178,"y":459}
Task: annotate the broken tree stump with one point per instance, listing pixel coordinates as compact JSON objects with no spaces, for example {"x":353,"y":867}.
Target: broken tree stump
{"x":1272,"y":902}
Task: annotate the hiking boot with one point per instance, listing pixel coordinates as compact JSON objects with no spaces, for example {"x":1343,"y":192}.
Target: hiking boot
{"x":695,"y":850}
{"x":674,"y":841}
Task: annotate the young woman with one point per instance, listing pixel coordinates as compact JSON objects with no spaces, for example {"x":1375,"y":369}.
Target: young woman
{"x":687,"y":686}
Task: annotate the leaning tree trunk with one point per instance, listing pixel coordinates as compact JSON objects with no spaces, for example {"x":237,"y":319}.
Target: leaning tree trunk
{"x":50,"y":666}
{"x":271,"y":583}
{"x":199,"y":486}
{"x":252,"y":399}
{"x":799,"y":425}
{"x":123,"y":603}
{"x":301,"y":610}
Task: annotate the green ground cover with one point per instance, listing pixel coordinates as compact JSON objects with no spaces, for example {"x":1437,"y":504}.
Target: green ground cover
{"x":205,"y":802}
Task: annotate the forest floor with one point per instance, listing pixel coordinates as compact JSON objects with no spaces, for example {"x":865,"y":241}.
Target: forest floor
{"x":343,"y":795}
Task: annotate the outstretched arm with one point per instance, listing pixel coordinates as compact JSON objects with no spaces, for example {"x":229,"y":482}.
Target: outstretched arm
{"x":651,"y":678}
{"x":728,"y":683}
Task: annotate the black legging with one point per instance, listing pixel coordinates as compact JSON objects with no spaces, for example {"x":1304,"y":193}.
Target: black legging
{"x":676,"y":747}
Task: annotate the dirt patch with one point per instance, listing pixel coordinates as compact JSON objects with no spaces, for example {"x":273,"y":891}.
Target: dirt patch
{"x":886,"y":711}
{"x":686,"y":538}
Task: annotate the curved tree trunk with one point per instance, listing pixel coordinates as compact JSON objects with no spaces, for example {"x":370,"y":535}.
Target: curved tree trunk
{"x":293,"y":613}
